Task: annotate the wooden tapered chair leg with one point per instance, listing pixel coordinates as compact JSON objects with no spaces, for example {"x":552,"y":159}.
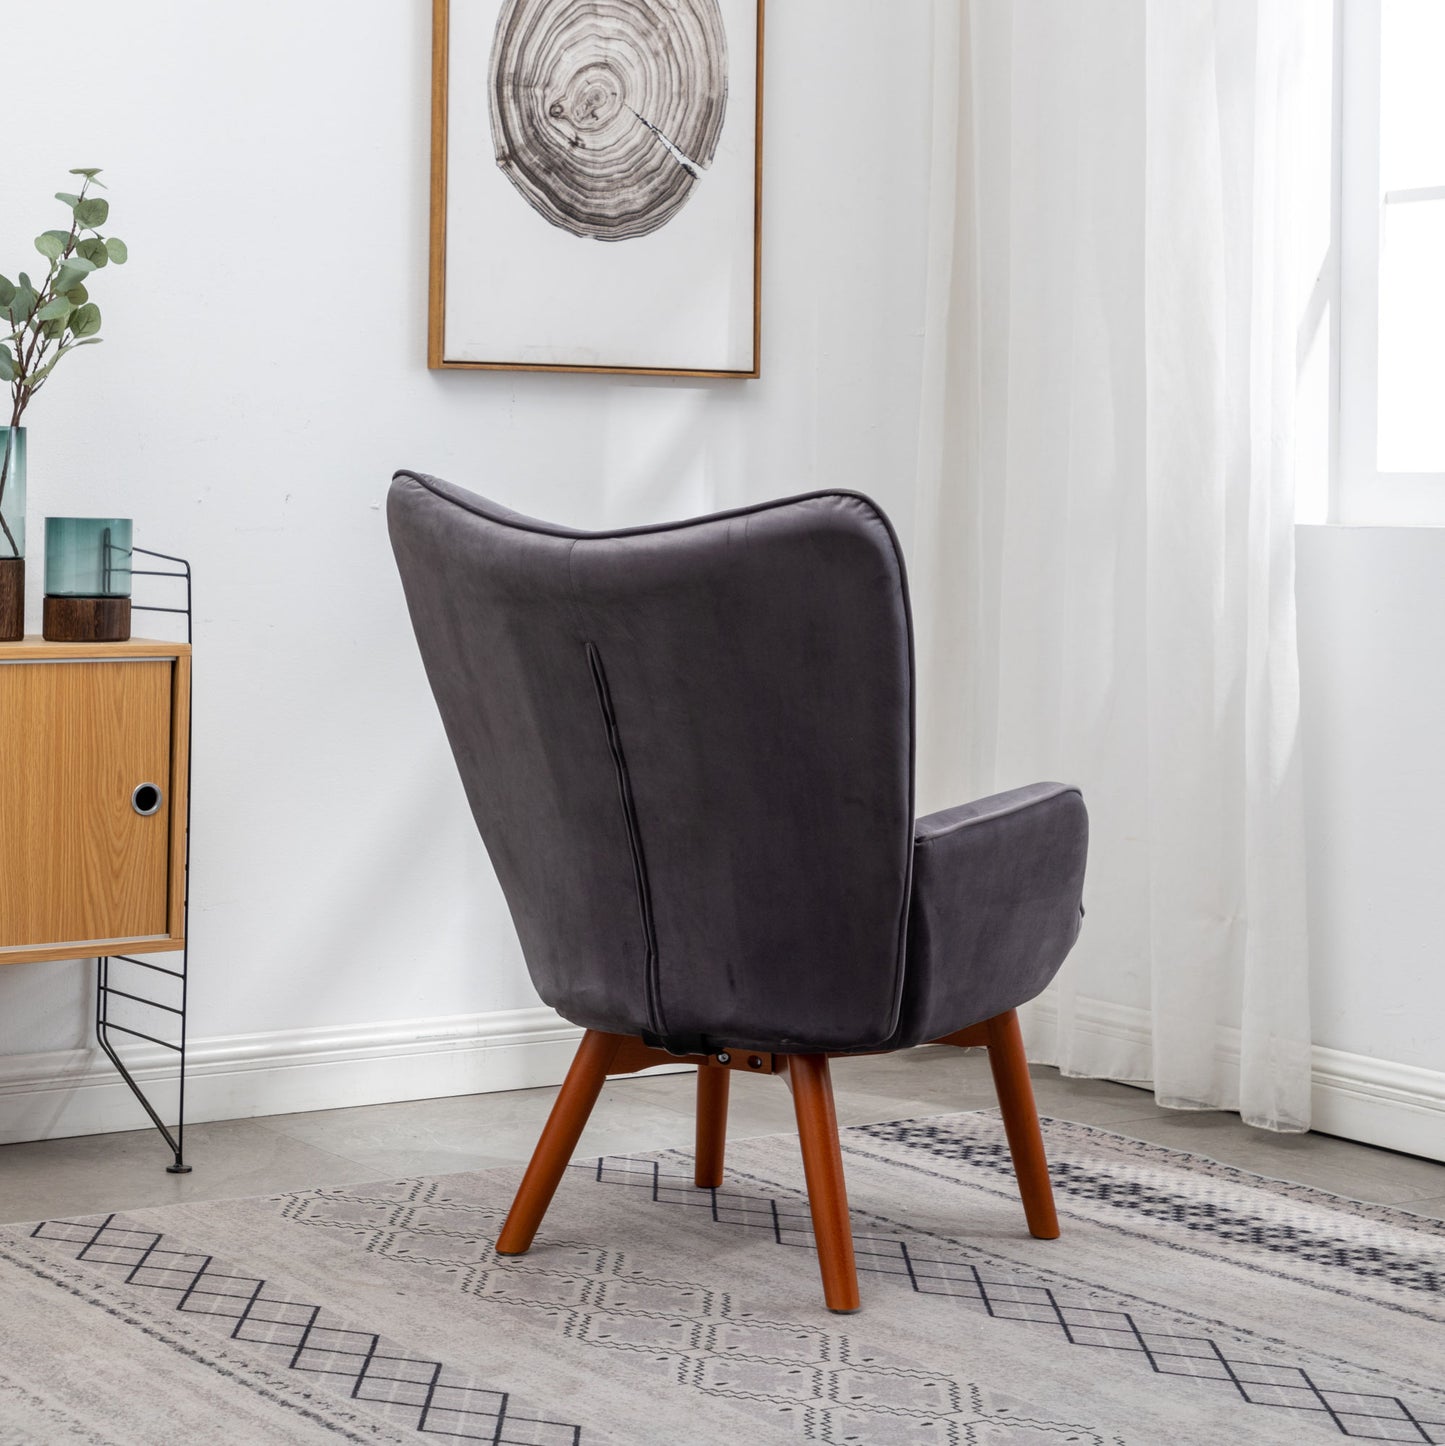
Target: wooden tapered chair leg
{"x":559,"y":1140}
{"x":1021,"y":1123}
{"x":812,"y":1087}
{"x":712,"y":1125}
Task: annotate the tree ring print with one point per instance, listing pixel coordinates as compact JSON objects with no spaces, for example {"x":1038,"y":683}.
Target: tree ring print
{"x":605,"y":113}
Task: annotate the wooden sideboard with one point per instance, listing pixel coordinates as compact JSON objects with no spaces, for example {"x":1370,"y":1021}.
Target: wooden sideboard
{"x":94,"y":745}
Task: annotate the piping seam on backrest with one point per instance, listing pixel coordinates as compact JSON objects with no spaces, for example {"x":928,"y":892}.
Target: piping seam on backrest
{"x":634,"y":841}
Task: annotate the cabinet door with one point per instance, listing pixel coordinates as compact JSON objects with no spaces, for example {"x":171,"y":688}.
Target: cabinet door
{"x":77,"y":862}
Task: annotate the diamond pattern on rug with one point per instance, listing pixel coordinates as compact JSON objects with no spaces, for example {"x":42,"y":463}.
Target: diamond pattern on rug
{"x":1201,"y":1216}
{"x":1362,"y":1415}
{"x":421,"y":1392}
{"x":817,"y":1383}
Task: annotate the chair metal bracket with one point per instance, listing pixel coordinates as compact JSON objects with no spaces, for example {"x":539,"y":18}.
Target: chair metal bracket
{"x":633,"y":1055}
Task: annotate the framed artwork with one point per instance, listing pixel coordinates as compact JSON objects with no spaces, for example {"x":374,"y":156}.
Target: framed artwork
{"x":596,"y":186}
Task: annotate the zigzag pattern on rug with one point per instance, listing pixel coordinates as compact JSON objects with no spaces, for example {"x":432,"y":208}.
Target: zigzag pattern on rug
{"x":425,"y":1393}
{"x":1205,"y":1217}
{"x":817,"y":1383}
{"x":579,"y":1293}
{"x":1361,"y":1415}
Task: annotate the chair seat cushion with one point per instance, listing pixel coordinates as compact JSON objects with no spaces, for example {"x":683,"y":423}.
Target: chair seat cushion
{"x":996,"y":906}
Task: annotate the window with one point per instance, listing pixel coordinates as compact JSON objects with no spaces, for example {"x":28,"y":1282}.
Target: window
{"x":1391,"y":452}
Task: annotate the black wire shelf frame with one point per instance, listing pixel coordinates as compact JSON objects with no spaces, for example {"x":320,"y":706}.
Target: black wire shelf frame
{"x":170,"y":1018}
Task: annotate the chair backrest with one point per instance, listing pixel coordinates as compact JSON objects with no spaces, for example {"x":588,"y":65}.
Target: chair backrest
{"x":689,"y":750}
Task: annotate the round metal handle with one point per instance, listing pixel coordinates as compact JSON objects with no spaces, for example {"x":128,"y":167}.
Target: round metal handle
{"x":146,"y":798}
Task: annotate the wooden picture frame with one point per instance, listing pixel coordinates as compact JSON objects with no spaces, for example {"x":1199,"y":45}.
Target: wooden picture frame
{"x":441,"y":356}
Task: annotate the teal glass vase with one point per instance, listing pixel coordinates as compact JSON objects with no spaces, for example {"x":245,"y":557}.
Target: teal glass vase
{"x":12,"y":533}
{"x":12,"y":491}
{"x":87,"y":557}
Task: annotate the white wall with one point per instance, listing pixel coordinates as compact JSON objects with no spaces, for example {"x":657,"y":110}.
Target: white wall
{"x":1372,"y":637}
{"x":1372,"y":665}
{"x":263,"y":375}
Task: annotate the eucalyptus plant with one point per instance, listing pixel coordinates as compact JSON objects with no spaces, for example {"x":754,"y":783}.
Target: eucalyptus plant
{"x":48,"y":321}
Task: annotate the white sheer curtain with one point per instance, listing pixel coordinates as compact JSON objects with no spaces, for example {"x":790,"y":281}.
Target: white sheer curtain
{"x":1130,"y":219}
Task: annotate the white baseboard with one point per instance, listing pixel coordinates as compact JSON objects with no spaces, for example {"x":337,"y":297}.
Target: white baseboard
{"x":1399,"y":1106}
{"x":1375,"y":1101}
{"x":77,"y":1092}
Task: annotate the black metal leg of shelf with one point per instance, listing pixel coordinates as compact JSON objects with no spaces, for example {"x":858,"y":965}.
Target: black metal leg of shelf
{"x":103,"y":1027}
{"x":103,"y":990}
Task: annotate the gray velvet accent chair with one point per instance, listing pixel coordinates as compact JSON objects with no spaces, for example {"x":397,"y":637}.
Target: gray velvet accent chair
{"x":689,"y":751}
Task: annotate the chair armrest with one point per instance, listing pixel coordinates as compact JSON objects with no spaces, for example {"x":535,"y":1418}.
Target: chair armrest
{"x":996,"y":807}
{"x":996,"y":905}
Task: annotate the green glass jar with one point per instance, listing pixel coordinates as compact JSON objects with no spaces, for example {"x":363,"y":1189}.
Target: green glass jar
{"x":87,"y":556}
{"x":12,"y":491}
{"x":12,"y":534}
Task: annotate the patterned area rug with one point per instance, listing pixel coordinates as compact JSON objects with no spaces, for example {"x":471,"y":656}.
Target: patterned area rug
{"x":1187,"y":1302}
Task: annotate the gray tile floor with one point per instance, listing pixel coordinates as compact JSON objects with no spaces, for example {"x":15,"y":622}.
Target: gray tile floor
{"x":333,"y":1147}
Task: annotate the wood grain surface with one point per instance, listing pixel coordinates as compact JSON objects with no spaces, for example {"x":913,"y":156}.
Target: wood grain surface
{"x":78,"y":865}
